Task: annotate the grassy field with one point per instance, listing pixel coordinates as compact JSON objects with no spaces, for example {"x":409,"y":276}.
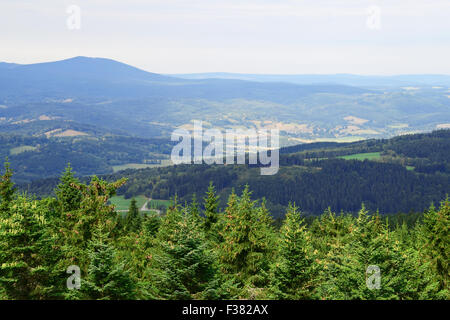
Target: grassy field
{"x":123,"y":204}
{"x":21,"y":149}
{"x":339,"y":139}
{"x":164,"y":163}
{"x":362,"y":156}
{"x":158,"y":203}
{"x":369,"y":156}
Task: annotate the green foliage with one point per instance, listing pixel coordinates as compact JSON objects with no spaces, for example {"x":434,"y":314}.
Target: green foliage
{"x":185,"y":265}
{"x":193,"y":209}
{"x":348,"y":268}
{"x":295,"y":271}
{"x":190,"y":253}
{"x":211,"y":203}
{"x":6,"y":188}
{"x":68,"y":196}
{"x":314,"y":185}
{"x":247,"y":243}
{"x":26,"y":250}
{"x":75,"y":227}
{"x":151,"y":224}
{"x":436,"y":242}
{"x":37,"y":157}
{"x":133,"y":219}
{"x":107,"y":278}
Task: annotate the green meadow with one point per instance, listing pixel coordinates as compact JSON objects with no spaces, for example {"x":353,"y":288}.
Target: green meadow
{"x":157,"y":203}
{"x":362,"y":156}
{"x":164,"y":163}
{"x":123,"y":204}
{"x":18,"y":150}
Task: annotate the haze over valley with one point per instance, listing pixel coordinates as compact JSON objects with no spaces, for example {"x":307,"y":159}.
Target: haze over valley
{"x":71,"y":97}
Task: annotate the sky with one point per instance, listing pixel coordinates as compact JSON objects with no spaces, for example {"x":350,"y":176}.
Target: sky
{"x":373,"y":37}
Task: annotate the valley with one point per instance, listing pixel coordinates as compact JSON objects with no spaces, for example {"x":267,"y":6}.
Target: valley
{"x":92,"y":96}
{"x":402,"y":174}
{"x":104,"y":116}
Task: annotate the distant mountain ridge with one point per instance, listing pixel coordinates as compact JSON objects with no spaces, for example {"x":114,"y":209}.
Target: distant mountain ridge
{"x":77,"y":67}
{"x":116,"y":97}
{"x":343,"y":79}
{"x":102,"y":77}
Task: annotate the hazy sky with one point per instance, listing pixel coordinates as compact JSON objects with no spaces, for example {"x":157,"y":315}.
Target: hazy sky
{"x":247,"y":36}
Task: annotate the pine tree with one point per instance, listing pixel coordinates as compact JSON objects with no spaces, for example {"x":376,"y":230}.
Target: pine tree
{"x":193,"y":209}
{"x":420,"y":282}
{"x":107,"y":278}
{"x":6,"y":188}
{"x":151,"y":224}
{"x":186,"y":268}
{"x":435,"y":237}
{"x":262,"y":237}
{"x":295,"y":271}
{"x":211,"y":203}
{"x":330,"y":231}
{"x":246,"y":249}
{"x":133,"y":220}
{"x":26,"y":251}
{"x":353,"y":271}
{"x":75,"y":228}
{"x":235,"y":254}
{"x":69,"y":197}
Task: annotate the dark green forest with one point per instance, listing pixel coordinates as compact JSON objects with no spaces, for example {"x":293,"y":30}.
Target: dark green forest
{"x":194,"y":250}
{"x":315,"y":177}
{"x":47,"y":157}
{"x":411,"y":173}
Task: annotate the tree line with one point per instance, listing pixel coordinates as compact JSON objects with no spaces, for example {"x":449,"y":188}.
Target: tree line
{"x":310,"y":175}
{"x":195,"y":250}
{"x":47,"y":157}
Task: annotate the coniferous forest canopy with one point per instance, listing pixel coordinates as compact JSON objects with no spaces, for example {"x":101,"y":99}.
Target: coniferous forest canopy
{"x":410,"y":173}
{"x":323,"y":222}
{"x":196,"y":251}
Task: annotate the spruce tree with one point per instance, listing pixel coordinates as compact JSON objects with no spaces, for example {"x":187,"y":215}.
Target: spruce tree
{"x":68,"y":195}
{"x":27,"y":251}
{"x":353,"y":271}
{"x":150,"y":224}
{"x":133,"y":220}
{"x":75,"y":228}
{"x":6,"y":188}
{"x":193,"y":209}
{"x":107,"y":278}
{"x":246,"y":248}
{"x":211,"y":203}
{"x":330,"y":231}
{"x":185,"y":264}
{"x":435,"y":238}
{"x":420,"y":282}
{"x":295,"y":271}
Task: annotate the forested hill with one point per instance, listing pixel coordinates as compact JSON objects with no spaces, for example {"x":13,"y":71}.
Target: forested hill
{"x":37,"y":157}
{"x":401,"y":174}
{"x":192,"y":253}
